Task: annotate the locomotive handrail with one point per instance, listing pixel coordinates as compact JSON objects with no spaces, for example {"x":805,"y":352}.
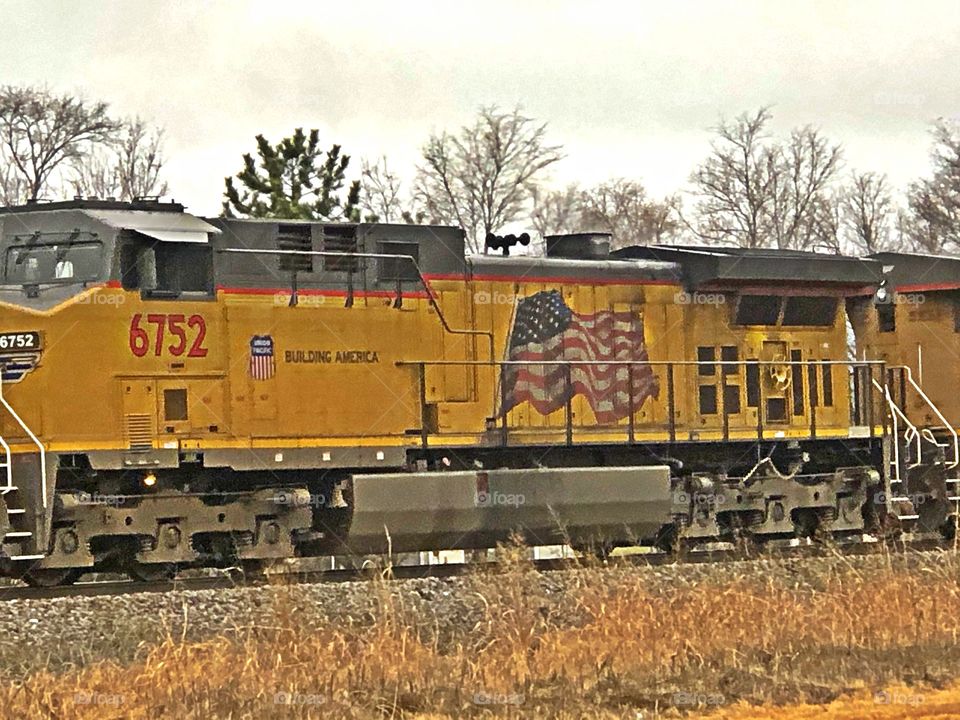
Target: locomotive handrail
{"x":908,"y":436}
{"x":947,"y":424}
{"x":858,"y":363}
{"x":376,"y":256}
{"x":629,"y":364}
{"x":36,"y":441}
{"x":8,"y":460}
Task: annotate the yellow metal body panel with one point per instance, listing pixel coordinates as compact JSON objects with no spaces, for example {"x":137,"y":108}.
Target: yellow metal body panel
{"x":342,"y":376}
{"x":925,"y":338}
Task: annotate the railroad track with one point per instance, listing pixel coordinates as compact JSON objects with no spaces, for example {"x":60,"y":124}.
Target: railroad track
{"x":236,"y":578}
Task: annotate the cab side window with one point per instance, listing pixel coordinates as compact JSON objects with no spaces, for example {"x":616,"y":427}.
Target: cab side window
{"x":887,"y":317}
{"x":164,"y":269}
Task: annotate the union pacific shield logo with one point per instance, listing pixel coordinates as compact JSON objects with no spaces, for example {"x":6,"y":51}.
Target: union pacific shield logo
{"x":263,"y":365}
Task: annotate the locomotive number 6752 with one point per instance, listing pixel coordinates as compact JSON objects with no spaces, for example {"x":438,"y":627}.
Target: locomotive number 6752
{"x":186,"y":334}
{"x":20,"y":341}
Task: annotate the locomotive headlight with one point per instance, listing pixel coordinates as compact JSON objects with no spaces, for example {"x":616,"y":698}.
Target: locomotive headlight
{"x":149,"y":479}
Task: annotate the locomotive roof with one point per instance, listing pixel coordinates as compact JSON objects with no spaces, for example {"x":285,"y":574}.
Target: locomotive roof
{"x":609,"y":269}
{"x":161,"y":221}
{"x":440,"y":251}
{"x":730,"y":267}
{"x":917,"y":271}
{"x":148,"y":204}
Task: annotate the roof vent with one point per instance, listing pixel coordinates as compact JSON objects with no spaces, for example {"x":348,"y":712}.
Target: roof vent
{"x":579,"y":246}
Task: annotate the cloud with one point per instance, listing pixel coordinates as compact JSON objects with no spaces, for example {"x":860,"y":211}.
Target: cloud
{"x":630,"y":88}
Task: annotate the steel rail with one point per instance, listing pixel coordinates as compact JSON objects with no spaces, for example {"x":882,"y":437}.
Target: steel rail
{"x":408,"y":572}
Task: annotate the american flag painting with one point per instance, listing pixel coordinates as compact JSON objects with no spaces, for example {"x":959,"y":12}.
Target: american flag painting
{"x":546,"y":329}
{"x":262,"y":362}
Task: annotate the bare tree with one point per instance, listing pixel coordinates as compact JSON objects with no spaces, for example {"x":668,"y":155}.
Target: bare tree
{"x":126,"y":169}
{"x":734,"y":183}
{"x":756,"y":192}
{"x":556,"y":211}
{"x":95,"y":175}
{"x":12,"y":185}
{"x":141,"y":160}
{"x":380,"y":192}
{"x":621,"y":207}
{"x":916,"y":235}
{"x":827,"y":221}
{"x":482,"y":178}
{"x":867,"y":211}
{"x":40,"y":131}
{"x":935,"y":201}
{"x":804,"y":168}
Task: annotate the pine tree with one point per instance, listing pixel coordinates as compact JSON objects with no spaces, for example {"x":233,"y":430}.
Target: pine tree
{"x":295,"y":180}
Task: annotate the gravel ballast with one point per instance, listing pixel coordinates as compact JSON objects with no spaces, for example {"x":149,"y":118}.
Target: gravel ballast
{"x":67,"y":633}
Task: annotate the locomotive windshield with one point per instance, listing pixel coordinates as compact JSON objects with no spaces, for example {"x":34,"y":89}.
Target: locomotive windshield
{"x":52,"y":262}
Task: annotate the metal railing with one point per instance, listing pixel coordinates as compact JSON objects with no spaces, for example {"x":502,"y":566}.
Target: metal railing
{"x":907,"y":374}
{"x":34,"y":439}
{"x":909,"y":434}
{"x":861,"y":409}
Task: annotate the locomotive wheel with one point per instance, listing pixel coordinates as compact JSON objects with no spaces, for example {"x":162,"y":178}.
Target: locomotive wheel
{"x":949,"y":528}
{"x":815,"y":524}
{"x":671,"y":541}
{"x":747,"y":545}
{"x":150,"y":572}
{"x":52,"y":577}
{"x":933,"y":515}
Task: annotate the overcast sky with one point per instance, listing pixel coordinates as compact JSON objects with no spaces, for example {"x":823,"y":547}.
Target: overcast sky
{"x":629,"y":89}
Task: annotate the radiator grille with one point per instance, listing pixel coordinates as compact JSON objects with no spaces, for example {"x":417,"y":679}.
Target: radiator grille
{"x":295,"y":237}
{"x":139,"y":432}
{"x":340,"y":239}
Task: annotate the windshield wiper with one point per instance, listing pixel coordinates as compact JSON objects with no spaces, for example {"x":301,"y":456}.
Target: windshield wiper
{"x":33,"y":289}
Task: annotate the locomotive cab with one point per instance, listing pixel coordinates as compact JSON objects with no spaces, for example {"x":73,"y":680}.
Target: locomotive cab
{"x":912,"y":324}
{"x":52,"y":252}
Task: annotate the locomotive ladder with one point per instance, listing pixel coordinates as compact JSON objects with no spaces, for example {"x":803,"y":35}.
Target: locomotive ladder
{"x":18,"y":531}
{"x":912,"y":434}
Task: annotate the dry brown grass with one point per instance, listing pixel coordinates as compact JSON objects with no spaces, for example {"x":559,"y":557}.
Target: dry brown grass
{"x":660,"y":651}
{"x":896,"y":702}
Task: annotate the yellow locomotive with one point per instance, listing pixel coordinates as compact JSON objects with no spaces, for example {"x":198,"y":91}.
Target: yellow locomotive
{"x":912,"y":324}
{"x":182,"y":391}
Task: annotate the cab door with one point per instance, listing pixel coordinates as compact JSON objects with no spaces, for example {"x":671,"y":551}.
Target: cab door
{"x":775,"y":380}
